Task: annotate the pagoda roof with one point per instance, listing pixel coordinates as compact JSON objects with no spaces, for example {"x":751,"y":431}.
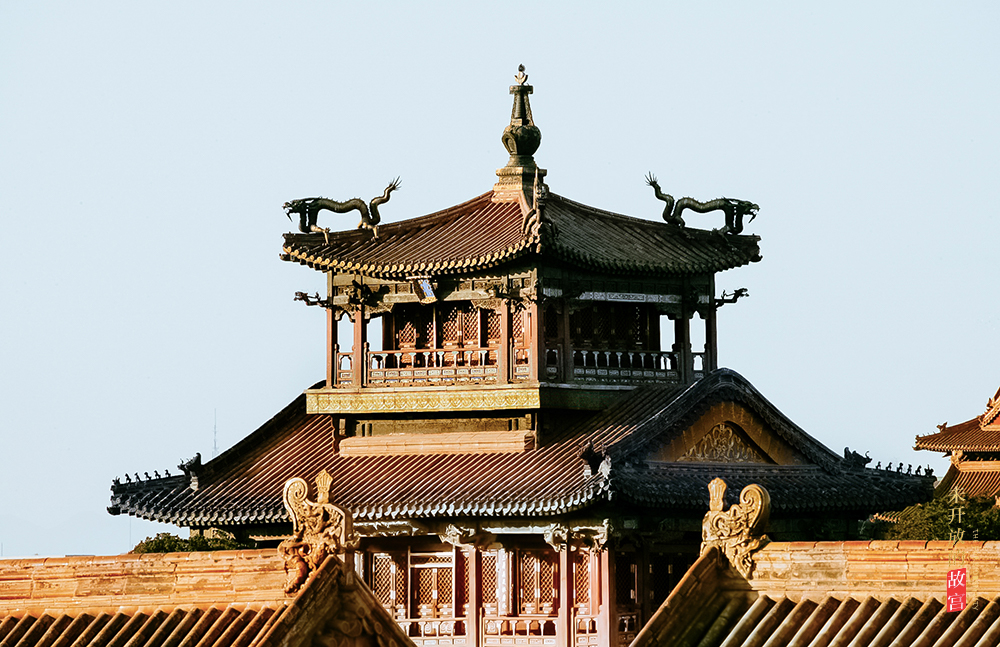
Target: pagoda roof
{"x":981,"y":434}
{"x":243,"y":485}
{"x":482,"y":233}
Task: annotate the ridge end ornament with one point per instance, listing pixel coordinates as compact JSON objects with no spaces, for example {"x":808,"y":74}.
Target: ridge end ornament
{"x":308,"y":211}
{"x":737,"y":532}
{"x":734,"y":209}
{"x":319,"y":529}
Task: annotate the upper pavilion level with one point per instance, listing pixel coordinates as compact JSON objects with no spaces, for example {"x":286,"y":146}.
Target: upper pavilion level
{"x":519,"y":292}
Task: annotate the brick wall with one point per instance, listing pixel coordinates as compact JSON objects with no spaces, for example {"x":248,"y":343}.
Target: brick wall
{"x":854,"y":568}
{"x":140,"y":582}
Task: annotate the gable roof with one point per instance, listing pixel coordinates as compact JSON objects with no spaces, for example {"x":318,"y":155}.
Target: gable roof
{"x":243,"y":485}
{"x":216,"y":599}
{"x":875,"y":593}
{"x":480,"y":234}
{"x":981,"y":434}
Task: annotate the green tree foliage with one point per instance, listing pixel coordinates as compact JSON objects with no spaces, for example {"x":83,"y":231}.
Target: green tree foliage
{"x":165,"y":542}
{"x":946,"y":517}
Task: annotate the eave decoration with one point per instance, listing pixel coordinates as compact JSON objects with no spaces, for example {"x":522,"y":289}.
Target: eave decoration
{"x":737,"y":532}
{"x":320,"y":529}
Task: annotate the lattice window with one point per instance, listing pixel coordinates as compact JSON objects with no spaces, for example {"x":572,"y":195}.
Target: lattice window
{"x":603,"y":323}
{"x":493,"y":325}
{"x":470,"y":327}
{"x":489,"y":582}
{"x":639,"y":326}
{"x":517,"y":323}
{"x":449,"y":324}
{"x":536,"y":582}
{"x":551,"y":323}
{"x":461,"y":580}
{"x":625,"y":578}
{"x":583,"y":326}
{"x":429,"y":331}
{"x":389,"y":580}
{"x":581,"y":580}
{"x":433,"y":586}
{"x":406,"y":334}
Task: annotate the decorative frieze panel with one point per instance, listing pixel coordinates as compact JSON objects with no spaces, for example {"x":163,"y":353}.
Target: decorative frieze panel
{"x":723,"y":444}
{"x":369,"y":402}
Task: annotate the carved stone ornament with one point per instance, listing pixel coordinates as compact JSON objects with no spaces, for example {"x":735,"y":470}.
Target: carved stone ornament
{"x":319,"y":529}
{"x":722,"y":444}
{"x":737,"y":532}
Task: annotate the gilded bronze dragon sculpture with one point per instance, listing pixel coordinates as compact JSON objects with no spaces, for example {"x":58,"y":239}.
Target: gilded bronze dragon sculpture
{"x":735,"y":210}
{"x":308,"y":209}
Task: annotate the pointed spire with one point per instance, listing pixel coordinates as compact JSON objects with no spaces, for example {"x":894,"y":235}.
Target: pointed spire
{"x":521,"y":139}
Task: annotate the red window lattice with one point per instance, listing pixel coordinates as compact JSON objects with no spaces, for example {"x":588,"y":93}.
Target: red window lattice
{"x":389,"y":579}
{"x":493,"y":325}
{"x":517,"y":323}
{"x":537,"y":583}
{"x":489,"y":583}
{"x":449,"y":324}
{"x":470,"y":326}
{"x":625,"y":578}
{"x":581,"y":579}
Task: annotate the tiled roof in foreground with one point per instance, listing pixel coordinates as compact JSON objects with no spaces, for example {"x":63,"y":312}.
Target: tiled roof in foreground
{"x":213,"y":599}
{"x":480,"y":234}
{"x":871,"y":594}
{"x":243,"y":485}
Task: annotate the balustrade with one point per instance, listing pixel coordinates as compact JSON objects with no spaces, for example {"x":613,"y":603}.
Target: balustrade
{"x":519,"y":630}
{"x":628,"y":627}
{"x":625,"y":366}
{"x":435,"y":631}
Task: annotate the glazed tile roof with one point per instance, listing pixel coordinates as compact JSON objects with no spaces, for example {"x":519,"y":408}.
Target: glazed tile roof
{"x":480,"y":234}
{"x":217,"y":599}
{"x":972,"y":479}
{"x":981,"y":434}
{"x":871,"y":594}
{"x":243,"y":485}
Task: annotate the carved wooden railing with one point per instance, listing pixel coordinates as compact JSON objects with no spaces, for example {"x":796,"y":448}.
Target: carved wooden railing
{"x":518,"y":630}
{"x":628,"y":627}
{"x":585,"y":630}
{"x":596,"y":365}
{"x":430,"y":366}
{"x":435,"y":631}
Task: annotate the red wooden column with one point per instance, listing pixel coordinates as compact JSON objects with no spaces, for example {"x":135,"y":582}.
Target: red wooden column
{"x":607,"y":623}
{"x":567,"y":349}
{"x":503,"y":353}
{"x":682,"y":346}
{"x":331,"y":349}
{"x":711,"y":341}
{"x":535,"y":334}
{"x":360,"y":343}
{"x":473,"y":630}
{"x":564,"y":626}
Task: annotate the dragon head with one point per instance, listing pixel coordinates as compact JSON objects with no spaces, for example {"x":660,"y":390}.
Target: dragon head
{"x":295,"y":206}
{"x":744,"y":207}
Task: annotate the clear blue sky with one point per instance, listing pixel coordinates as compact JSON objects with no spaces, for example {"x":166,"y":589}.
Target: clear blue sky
{"x":146,"y":150}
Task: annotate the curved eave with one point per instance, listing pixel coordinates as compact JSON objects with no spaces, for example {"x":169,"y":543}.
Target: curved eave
{"x":150,"y":508}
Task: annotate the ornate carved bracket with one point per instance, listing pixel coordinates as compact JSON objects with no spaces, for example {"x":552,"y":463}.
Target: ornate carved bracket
{"x":737,"y":532}
{"x":319,"y":529}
